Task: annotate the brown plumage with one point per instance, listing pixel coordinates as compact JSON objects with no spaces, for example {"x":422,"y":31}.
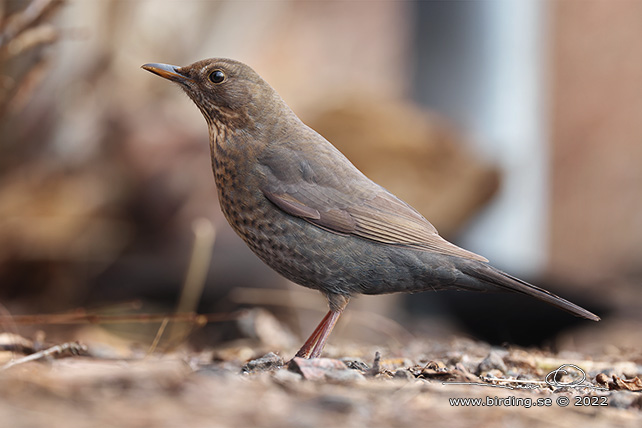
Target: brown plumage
{"x":308,"y":213}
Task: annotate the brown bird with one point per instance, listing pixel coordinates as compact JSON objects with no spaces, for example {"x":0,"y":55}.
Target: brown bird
{"x":311,"y":215}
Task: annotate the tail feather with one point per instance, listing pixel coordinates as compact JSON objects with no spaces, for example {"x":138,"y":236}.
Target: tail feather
{"x":504,"y":281}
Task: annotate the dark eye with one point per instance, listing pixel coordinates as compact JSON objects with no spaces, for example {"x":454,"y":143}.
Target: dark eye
{"x":217,"y":76}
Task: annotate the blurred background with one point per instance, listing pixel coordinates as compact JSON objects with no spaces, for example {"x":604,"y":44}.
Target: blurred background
{"x":514,"y":127}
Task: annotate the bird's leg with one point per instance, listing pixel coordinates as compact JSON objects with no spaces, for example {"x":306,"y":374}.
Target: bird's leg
{"x":308,"y":346}
{"x":313,"y":347}
{"x":325,"y":333}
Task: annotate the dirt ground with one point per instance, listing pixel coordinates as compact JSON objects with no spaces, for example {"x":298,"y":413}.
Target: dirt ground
{"x":243,"y":385}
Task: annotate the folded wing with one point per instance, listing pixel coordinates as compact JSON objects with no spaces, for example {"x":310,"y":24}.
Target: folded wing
{"x":378,"y":216}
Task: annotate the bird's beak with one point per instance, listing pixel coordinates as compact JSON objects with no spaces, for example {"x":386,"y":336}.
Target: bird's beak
{"x":167,"y":71}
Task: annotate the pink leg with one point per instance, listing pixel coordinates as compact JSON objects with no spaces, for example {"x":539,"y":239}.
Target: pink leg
{"x":313,"y":347}
{"x":328,"y":326}
{"x":310,"y":344}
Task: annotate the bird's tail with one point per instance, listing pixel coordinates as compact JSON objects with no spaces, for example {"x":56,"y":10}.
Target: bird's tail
{"x":505,"y":282}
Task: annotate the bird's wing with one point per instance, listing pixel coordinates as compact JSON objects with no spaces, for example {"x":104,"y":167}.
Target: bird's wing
{"x":354,"y":205}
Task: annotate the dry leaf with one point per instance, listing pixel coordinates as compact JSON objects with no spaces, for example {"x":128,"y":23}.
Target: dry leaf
{"x":627,"y":384}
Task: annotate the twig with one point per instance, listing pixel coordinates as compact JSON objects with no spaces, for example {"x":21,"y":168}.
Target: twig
{"x":204,"y":237}
{"x":84,"y":318}
{"x":74,"y":347}
{"x":376,"y":365}
{"x":158,"y":336}
{"x":200,"y":260}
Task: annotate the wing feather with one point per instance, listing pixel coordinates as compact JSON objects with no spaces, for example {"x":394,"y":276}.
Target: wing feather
{"x":388,"y":223}
{"x":328,"y":191}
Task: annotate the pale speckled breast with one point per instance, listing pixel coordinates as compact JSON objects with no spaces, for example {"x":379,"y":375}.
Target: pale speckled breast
{"x":262,"y":226}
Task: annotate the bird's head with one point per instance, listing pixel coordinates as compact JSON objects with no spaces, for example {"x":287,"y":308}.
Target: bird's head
{"x":226,"y":91}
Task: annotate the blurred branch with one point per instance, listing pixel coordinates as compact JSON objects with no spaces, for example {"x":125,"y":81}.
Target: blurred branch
{"x":204,"y":237}
{"x":35,"y":12}
{"x":29,"y":39}
{"x":84,"y":318}
{"x":18,"y":95}
{"x":23,"y":33}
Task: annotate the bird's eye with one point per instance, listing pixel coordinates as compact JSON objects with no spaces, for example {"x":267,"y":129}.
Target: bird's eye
{"x":217,"y":76}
